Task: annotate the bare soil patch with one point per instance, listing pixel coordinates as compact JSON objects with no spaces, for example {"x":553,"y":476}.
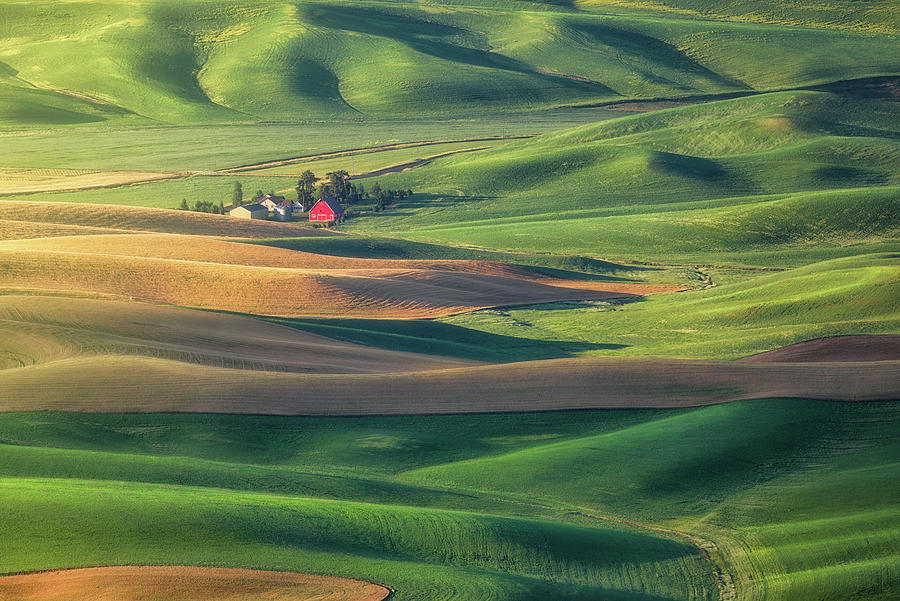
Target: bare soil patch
{"x":183,"y":583}
{"x":838,"y":348}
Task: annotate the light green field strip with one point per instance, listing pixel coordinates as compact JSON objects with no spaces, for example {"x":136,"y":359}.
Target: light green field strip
{"x":221,"y":146}
{"x":369,"y":160}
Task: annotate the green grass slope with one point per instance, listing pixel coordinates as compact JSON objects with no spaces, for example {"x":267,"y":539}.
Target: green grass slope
{"x":797,"y":495}
{"x":806,"y":492}
{"x":256,"y":506}
{"x":778,"y":179}
{"x":210,"y":60}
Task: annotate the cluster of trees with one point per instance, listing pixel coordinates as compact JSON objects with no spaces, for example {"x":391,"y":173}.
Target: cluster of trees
{"x":385,"y":197}
{"x":203,"y":206}
{"x":306,"y":187}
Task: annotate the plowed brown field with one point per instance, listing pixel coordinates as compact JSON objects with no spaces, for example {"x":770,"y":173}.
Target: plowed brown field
{"x":183,"y":583}
{"x":137,"y":384}
{"x":838,"y":348}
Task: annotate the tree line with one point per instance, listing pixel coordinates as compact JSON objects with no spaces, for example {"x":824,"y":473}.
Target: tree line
{"x":310,"y":190}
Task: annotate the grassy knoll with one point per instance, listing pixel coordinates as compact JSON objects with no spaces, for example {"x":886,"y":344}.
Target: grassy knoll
{"x":844,"y":296}
{"x":487,"y":506}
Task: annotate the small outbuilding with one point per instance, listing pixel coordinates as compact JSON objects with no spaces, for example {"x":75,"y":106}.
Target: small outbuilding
{"x":283,"y":212}
{"x":251,"y":211}
{"x":327,"y":209}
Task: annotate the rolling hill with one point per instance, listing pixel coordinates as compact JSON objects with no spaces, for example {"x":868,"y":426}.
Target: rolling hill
{"x":215,"y":61}
{"x":633,"y":337}
{"x":778,"y":179}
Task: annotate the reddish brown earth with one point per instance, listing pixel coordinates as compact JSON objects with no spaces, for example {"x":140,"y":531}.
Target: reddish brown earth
{"x":183,"y":583}
{"x":834,"y":349}
{"x":138,"y":384}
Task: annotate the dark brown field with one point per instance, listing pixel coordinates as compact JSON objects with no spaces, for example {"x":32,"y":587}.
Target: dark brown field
{"x":138,"y":384}
{"x":838,"y":348}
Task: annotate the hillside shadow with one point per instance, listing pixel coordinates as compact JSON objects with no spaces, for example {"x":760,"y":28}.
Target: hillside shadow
{"x":442,"y":339}
{"x":436,"y":40}
{"x":598,"y":305}
{"x":643,"y":48}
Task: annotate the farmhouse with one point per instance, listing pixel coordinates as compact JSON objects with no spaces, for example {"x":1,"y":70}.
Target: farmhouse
{"x":327,"y":209}
{"x":271,"y":201}
{"x":251,"y":211}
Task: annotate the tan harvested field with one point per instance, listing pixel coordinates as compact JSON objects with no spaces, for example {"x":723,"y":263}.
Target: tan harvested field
{"x":21,"y":230}
{"x":36,"y":330}
{"x":228,"y":276}
{"x":838,"y":348}
{"x":183,"y":583}
{"x":144,"y":219}
{"x":29,"y":181}
{"x":139,"y":384}
{"x":210,"y":250}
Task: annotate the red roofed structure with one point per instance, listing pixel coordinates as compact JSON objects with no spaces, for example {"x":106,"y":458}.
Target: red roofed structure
{"x":327,"y":209}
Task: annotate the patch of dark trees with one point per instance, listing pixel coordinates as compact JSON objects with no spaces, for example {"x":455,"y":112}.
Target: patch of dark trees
{"x":203,"y":206}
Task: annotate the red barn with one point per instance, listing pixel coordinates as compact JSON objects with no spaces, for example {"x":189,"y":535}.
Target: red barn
{"x":326,"y":209}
